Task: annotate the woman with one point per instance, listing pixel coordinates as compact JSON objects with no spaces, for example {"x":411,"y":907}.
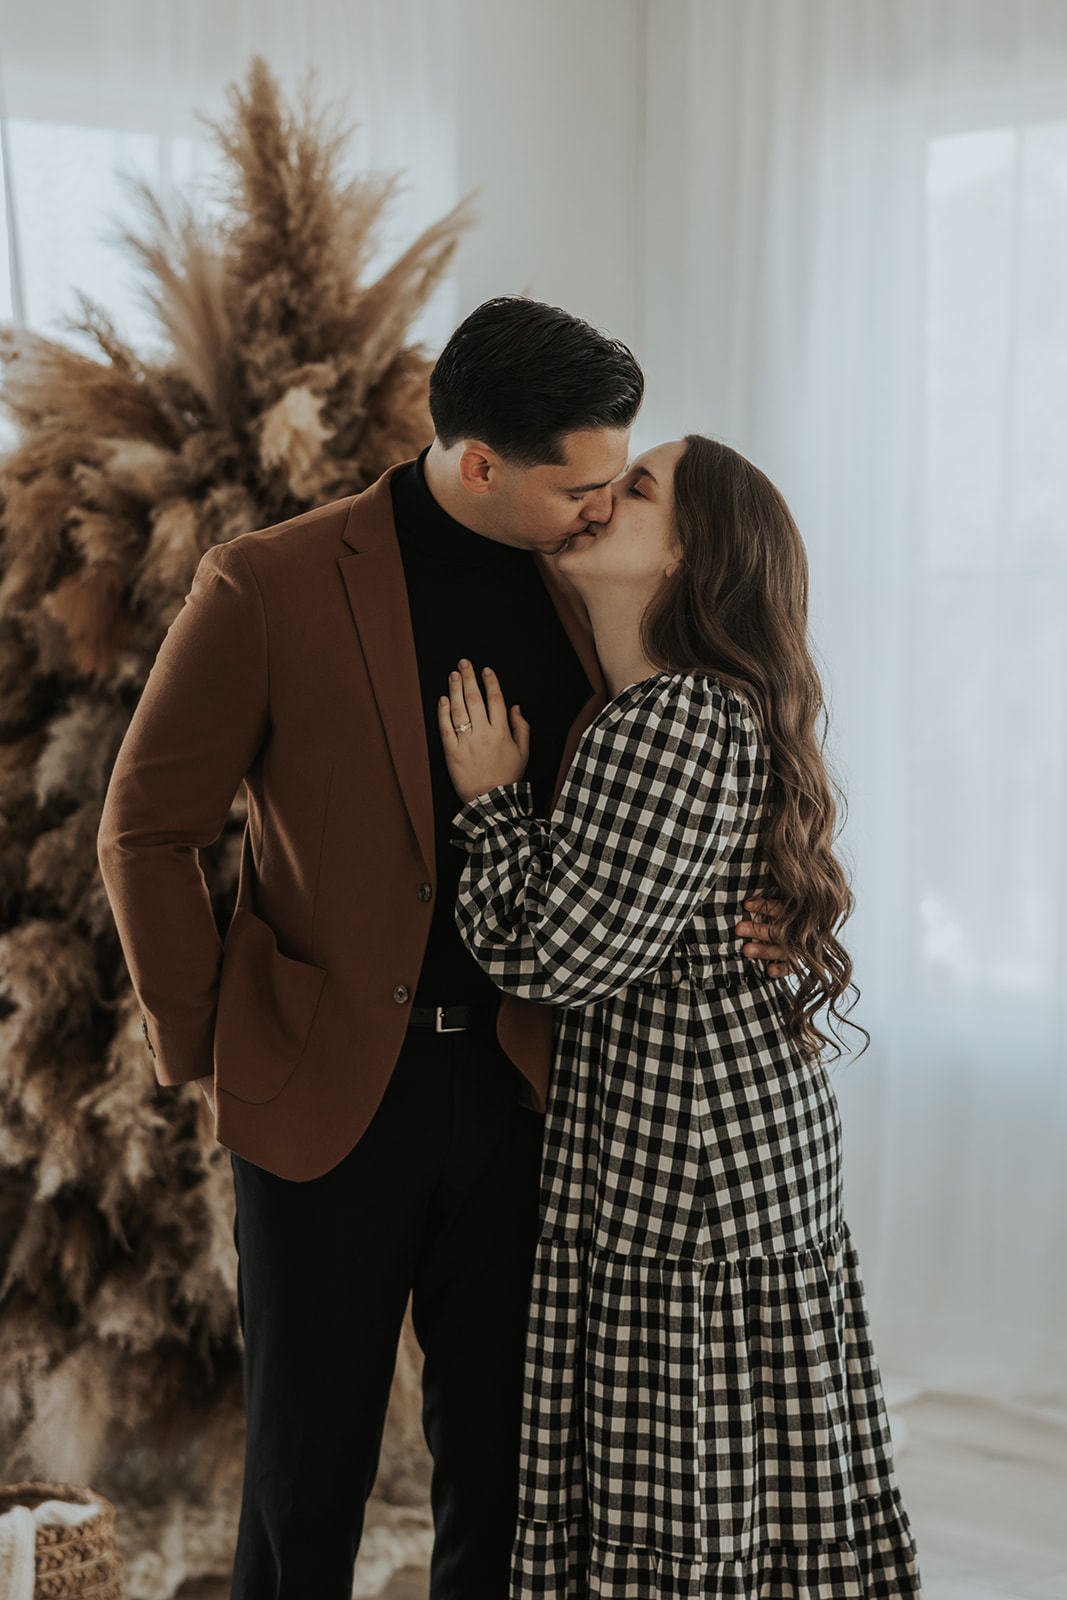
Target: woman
{"x":703,"y":1410}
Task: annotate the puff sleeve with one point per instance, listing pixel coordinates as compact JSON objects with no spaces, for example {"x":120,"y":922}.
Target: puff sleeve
{"x":574,"y":910}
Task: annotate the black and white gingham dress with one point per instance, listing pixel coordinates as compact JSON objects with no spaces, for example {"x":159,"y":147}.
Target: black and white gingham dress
{"x":703,"y":1413}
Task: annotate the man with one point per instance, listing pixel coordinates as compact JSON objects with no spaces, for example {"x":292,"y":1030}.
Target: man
{"x":379,"y":1096}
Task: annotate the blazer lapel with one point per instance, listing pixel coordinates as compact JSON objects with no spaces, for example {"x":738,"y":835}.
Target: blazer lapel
{"x":526,"y":1028}
{"x":374,"y":578}
{"x":575,"y":619}
{"x":377,"y":594}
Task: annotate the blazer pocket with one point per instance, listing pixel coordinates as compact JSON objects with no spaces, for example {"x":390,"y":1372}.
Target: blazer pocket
{"x":267,"y":1004}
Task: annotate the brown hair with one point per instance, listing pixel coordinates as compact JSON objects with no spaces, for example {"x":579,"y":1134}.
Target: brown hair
{"x":737,"y":608}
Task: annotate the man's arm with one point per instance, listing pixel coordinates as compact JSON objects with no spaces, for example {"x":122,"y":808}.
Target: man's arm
{"x":196,"y":731}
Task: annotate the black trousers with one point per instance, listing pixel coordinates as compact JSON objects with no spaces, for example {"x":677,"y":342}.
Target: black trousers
{"x":440,"y":1199}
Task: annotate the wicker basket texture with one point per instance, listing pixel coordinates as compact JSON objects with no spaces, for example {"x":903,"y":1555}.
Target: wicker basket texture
{"x":80,"y":1563}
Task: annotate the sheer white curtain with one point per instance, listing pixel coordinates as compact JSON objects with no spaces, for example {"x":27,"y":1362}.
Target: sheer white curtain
{"x":857,"y":273}
{"x":98,"y":87}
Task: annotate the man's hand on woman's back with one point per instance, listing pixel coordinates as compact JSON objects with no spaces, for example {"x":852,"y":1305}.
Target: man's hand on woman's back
{"x":762,"y":937}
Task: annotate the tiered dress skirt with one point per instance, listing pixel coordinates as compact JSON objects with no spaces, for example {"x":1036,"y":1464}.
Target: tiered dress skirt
{"x":703,"y":1408}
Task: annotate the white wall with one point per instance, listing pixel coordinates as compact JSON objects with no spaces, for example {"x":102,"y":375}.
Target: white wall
{"x":550,"y":129}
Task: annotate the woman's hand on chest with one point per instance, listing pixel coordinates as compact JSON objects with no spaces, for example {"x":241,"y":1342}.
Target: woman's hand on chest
{"x":485,"y":744}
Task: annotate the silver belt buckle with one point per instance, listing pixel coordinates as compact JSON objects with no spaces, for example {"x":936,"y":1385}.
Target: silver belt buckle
{"x":439,"y":1024}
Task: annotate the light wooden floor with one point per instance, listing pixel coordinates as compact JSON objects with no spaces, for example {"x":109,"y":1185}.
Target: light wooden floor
{"x":986,"y":1489}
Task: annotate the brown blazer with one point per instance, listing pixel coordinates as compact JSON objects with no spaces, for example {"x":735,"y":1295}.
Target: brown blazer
{"x":292,"y":666}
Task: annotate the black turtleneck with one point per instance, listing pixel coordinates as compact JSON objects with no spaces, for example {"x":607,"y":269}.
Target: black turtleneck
{"x":472,"y":596}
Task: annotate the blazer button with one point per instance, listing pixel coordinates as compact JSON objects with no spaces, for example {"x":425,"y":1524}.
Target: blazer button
{"x":400,"y":994}
{"x":425,"y":891}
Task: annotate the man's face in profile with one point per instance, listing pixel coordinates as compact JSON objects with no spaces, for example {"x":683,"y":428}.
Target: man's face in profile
{"x":538,"y":508}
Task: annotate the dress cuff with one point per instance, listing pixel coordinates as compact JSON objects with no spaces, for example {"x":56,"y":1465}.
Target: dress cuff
{"x":508,"y":802}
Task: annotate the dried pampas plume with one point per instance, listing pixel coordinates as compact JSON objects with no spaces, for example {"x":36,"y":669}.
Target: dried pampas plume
{"x":288,"y":382}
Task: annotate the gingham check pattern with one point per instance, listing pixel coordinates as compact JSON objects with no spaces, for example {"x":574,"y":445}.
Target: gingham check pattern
{"x":703,"y":1412}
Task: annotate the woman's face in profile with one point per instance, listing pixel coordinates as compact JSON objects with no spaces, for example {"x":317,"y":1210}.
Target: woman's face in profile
{"x":637,"y":545}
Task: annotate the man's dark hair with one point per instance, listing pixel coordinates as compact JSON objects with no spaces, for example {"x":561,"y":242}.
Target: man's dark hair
{"x":518,"y":376}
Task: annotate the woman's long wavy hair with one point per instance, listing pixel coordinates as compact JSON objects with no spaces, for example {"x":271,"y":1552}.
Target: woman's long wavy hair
{"x":737,"y":608}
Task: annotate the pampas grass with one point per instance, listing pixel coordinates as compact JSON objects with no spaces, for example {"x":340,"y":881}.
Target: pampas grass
{"x":287,"y":382}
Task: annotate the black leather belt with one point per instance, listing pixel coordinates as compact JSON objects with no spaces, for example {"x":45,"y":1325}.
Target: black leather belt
{"x":451,"y":1019}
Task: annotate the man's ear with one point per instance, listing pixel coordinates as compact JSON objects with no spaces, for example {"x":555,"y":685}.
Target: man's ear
{"x":475,"y":465}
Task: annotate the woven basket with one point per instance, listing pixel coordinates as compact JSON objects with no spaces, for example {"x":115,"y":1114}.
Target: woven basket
{"x":82,"y":1561}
